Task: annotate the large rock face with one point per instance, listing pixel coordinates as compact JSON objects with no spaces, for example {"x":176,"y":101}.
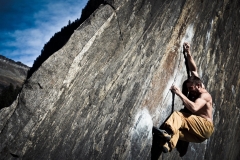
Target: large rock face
{"x":99,"y":96}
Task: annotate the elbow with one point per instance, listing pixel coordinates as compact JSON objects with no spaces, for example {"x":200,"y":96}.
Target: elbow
{"x":193,"y":110}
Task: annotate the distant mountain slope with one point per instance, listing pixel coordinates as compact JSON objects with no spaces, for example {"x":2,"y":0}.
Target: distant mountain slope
{"x":11,"y":72}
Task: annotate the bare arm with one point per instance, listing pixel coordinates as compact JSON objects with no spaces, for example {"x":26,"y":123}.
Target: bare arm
{"x":192,"y":106}
{"x":191,"y":63}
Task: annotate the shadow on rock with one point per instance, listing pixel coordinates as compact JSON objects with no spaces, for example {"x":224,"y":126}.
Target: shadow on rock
{"x":156,"y":150}
{"x":182,"y":147}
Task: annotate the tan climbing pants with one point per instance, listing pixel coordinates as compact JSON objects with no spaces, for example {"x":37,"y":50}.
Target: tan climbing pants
{"x":188,"y":127}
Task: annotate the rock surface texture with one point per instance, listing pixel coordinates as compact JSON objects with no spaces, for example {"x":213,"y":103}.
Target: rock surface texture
{"x":99,"y":96}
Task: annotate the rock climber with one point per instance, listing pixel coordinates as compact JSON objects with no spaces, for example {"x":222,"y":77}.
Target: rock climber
{"x":196,"y":126}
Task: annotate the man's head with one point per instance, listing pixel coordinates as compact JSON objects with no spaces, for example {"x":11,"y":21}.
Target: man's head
{"x":194,"y":84}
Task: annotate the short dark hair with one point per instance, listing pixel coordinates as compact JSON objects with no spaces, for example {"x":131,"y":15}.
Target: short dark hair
{"x":194,"y":80}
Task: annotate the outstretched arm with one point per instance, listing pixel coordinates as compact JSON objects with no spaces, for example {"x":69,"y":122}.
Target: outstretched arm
{"x":191,"y":63}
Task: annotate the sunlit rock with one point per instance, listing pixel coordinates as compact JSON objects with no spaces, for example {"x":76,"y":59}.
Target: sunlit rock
{"x":99,"y":96}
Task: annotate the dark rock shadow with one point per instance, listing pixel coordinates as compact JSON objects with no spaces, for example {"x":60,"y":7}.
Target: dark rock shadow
{"x":186,"y":64}
{"x":182,"y":146}
{"x":156,"y":150}
{"x":157,"y":142}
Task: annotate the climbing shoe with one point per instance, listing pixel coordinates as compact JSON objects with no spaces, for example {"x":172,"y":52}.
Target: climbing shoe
{"x":166,"y":148}
{"x":161,"y":133}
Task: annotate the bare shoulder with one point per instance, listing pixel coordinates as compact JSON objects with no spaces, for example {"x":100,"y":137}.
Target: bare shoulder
{"x":206,"y":96}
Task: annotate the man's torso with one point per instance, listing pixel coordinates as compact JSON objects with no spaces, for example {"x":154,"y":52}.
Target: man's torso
{"x":206,"y":110}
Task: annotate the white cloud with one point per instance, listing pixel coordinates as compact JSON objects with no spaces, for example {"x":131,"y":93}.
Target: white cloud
{"x":29,"y":42}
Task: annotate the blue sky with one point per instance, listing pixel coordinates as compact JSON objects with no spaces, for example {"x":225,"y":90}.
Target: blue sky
{"x":25,"y":26}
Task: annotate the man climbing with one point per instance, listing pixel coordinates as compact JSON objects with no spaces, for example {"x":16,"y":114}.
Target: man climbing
{"x":196,"y":126}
